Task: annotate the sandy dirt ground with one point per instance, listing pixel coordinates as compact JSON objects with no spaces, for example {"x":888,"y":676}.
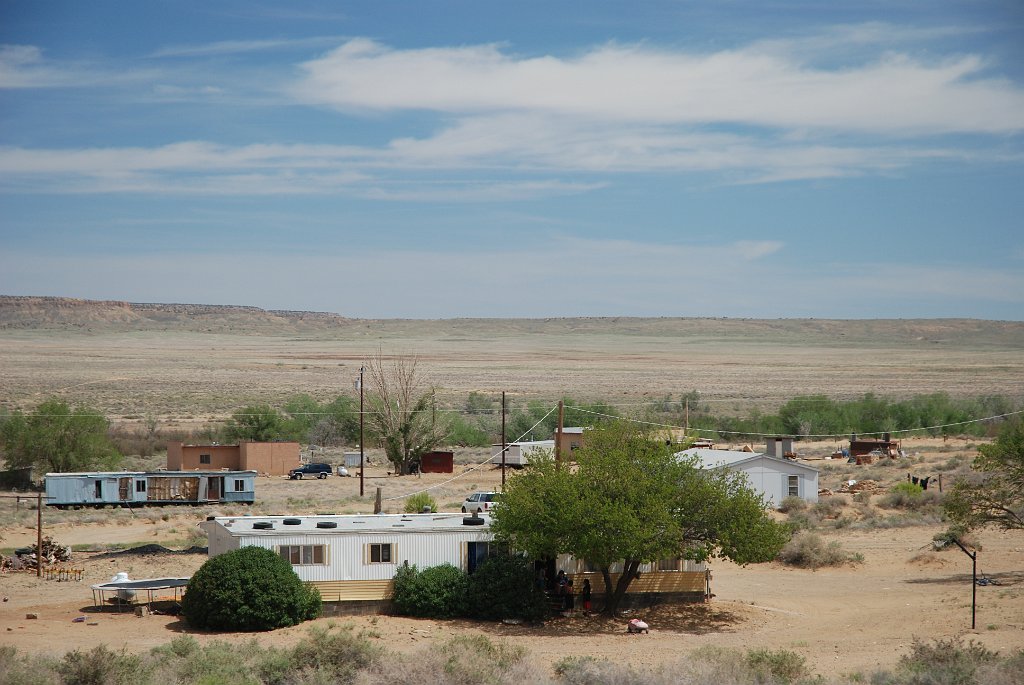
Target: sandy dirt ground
{"x":845,"y":619}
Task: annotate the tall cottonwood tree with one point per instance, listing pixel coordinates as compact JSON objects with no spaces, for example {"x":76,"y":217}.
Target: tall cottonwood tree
{"x":59,"y":438}
{"x":402,"y":412}
{"x":631,"y":500}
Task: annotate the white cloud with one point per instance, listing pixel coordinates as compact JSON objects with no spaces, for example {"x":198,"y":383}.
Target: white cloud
{"x":756,"y":85}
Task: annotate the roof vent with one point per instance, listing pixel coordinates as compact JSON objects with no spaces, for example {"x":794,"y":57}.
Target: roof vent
{"x":292,"y":522}
{"x":211,"y":518}
{"x":263,"y":525}
{"x":326,"y":524}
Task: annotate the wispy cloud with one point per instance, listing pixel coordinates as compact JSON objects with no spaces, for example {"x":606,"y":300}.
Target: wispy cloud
{"x":231,"y":47}
{"x":756,"y":86}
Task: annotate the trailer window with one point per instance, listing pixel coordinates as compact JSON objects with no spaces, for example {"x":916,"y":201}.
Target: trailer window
{"x":204,"y":458}
{"x":793,"y":485}
{"x":239,"y":485}
{"x":669,"y":564}
{"x":381,"y":553}
{"x":140,"y":486}
{"x":303,"y":555}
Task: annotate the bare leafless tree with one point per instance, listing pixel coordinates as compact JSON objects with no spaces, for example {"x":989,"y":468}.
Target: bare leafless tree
{"x":402,"y":411}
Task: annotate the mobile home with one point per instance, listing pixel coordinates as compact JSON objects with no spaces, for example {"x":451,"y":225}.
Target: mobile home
{"x":518,"y":453}
{"x":140,"y":488}
{"x":352,"y":560}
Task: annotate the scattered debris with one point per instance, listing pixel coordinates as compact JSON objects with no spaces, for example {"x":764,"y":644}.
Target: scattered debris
{"x":860,"y":486}
{"x":31,"y":616}
{"x":27,"y":558}
{"x":636,"y":626}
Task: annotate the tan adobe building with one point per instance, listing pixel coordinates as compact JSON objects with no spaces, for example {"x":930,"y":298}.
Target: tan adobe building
{"x":272,"y":458}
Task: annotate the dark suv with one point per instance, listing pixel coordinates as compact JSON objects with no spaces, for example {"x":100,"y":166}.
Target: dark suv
{"x":318,"y":470}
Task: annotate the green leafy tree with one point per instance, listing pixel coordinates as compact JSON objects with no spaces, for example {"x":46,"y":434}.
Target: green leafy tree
{"x":58,"y":438}
{"x":632,"y":501}
{"x":402,"y":412}
{"x":505,"y":586}
{"x":248,"y":589}
{"x":994,"y":494}
{"x":301,"y":413}
{"x":259,"y":423}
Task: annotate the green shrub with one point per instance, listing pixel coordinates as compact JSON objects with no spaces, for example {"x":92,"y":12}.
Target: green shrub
{"x":910,"y":496}
{"x":415,"y":504}
{"x":436,"y":592}
{"x":248,"y":589}
{"x":504,"y":586}
{"x":808,"y":550}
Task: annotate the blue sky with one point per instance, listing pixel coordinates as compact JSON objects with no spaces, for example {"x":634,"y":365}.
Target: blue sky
{"x":461,"y":159}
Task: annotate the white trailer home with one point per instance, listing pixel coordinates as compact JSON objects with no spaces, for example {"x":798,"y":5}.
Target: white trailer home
{"x":518,"y":453}
{"x":772,"y":477}
{"x":352,"y":560}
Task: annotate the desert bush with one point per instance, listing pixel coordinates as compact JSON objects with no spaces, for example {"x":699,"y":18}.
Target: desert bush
{"x":248,"y":589}
{"x":808,"y":550}
{"x":910,"y":496}
{"x":435,"y":592}
{"x":184,"y":660}
{"x":791,"y":504}
{"x":335,"y":655}
{"x":943,"y":662}
{"x":20,"y":669}
{"x":462,"y":661}
{"x":504,"y":586}
{"x":779,"y":665}
{"x":101,"y":666}
{"x":803,"y":520}
{"x":829,"y":507}
{"x":414,"y":504}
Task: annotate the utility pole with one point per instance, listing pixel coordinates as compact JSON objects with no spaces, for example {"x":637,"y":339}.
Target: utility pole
{"x":558,"y":435}
{"x":504,"y":447}
{"x":361,"y":440}
{"x":686,"y":422}
{"x":39,"y":535}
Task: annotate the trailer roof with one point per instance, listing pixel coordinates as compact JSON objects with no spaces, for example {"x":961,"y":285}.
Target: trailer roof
{"x":113,"y":474}
{"x":378,"y":523}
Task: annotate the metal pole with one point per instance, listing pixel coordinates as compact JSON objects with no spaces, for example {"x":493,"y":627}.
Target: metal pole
{"x":39,"y":535}
{"x":361,"y":440}
{"x":504,"y":447}
{"x":974,"y":587}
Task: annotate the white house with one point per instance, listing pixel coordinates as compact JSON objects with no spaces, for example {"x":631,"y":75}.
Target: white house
{"x":772,"y":477}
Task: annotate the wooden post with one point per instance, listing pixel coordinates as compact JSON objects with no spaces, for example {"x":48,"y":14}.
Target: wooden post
{"x":558,"y":435}
{"x":974,"y":579}
{"x":362,"y":465}
{"x":39,"y":535}
{"x":504,"y":447}
{"x":377,"y":502}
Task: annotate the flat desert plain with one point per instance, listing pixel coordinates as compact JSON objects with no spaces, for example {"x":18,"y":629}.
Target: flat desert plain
{"x":191,"y":368}
{"x":855,"y":617}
